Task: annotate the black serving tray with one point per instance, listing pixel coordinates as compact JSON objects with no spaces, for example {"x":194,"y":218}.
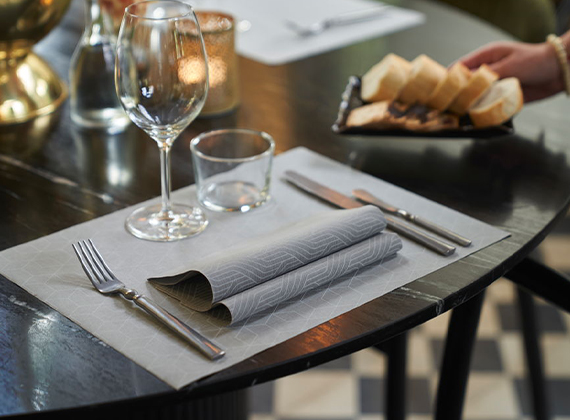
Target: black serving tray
{"x":351,"y":99}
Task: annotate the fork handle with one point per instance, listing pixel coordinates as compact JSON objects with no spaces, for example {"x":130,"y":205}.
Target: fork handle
{"x":192,"y":336}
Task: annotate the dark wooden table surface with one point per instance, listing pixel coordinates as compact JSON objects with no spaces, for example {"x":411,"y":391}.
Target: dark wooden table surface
{"x":53,"y":176}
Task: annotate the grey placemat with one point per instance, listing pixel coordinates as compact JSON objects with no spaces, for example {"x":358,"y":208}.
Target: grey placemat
{"x":48,"y":269}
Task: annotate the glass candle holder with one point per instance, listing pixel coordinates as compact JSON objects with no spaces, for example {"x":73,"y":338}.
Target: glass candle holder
{"x":219,"y":38}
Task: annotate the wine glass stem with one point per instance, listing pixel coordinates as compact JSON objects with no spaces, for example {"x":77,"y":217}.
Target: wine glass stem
{"x":165,"y":178}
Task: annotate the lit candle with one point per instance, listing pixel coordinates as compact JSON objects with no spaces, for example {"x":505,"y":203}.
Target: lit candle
{"x":219,"y":39}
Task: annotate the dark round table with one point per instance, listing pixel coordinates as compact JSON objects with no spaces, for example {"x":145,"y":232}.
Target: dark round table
{"x":52,"y":177}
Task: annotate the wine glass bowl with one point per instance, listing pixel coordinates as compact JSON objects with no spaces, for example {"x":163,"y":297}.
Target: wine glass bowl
{"x":161,"y":76}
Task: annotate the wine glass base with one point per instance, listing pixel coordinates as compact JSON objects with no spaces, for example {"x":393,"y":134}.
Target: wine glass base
{"x":152,"y":224}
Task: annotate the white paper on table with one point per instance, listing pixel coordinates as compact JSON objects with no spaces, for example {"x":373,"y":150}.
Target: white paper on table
{"x":269,"y":41}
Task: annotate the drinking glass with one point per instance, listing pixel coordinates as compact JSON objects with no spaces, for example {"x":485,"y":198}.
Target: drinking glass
{"x":232,"y":168}
{"x":161,"y":76}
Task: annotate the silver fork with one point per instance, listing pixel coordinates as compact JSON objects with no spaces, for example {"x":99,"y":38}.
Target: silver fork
{"x":347,"y":18}
{"x":105,"y":282}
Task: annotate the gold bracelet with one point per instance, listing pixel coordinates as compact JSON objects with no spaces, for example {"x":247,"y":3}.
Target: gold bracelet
{"x":556,"y":42}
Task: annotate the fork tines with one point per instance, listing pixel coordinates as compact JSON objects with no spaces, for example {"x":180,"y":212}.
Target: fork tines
{"x":92,"y":262}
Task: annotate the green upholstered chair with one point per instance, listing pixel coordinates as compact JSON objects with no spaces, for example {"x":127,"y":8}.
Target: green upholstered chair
{"x":527,"y":20}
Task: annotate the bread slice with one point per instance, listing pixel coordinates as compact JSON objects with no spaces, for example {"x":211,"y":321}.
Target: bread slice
{"x":480,"y":81}
{"x":501,"y":102}
{"x":375,"y":115}
{"x":385,"y":80}
{"x":447,"y":90}
{"x":433,"y":121}
{"x":424,"y":77}
{"x":387,"y":115}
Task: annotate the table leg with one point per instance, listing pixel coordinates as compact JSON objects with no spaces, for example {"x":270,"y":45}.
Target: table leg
{"x":533,"y":277}
{"x":396,"y":378}
{"x":531,"y":336}
{"x":396,"y":351}
{"x":459,"y":344}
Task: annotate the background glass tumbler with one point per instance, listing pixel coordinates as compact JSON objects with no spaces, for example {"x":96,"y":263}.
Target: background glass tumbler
{"x":232,"y":168}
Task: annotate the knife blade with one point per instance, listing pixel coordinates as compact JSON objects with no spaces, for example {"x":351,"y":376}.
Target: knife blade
{"x":368,"y":198}
{"x":345,"y":202}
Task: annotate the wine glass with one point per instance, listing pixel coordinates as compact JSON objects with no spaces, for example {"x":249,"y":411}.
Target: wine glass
{"x":161,"y":76}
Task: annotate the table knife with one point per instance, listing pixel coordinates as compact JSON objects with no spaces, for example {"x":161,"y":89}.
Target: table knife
{"x":368,"y":198}
{"x":345,"y":202}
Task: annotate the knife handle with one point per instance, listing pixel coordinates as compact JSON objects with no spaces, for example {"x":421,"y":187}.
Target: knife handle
{"x":441,"y":231}
{"x":365,"y":196}
{"x":426,"y":240}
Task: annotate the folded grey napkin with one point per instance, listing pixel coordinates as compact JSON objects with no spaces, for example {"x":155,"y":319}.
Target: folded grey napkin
{"x":240,"y":282}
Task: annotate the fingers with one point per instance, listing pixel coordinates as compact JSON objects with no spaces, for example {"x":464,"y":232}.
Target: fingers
{"x":504,"y":68}
{"x":489,"y":54}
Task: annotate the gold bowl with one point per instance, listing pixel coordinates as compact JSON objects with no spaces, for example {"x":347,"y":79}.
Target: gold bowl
{"x":28,"y":86}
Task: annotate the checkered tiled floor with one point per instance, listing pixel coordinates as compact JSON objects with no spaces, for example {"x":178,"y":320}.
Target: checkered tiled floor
{"x":352,"y":387}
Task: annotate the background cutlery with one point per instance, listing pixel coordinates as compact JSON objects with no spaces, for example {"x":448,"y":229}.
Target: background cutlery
{"x":347,"y":18}
{"x":343,"y":201}
{"x":366,"y":197}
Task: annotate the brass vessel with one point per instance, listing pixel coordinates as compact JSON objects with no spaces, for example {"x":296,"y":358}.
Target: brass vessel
{"x":28,"y":86}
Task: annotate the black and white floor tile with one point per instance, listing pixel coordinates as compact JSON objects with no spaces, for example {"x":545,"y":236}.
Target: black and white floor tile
{"x":351,"y":388}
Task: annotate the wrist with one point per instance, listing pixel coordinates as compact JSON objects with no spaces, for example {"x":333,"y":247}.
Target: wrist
{"x":565,"y":39}
{"x":559,"y":48}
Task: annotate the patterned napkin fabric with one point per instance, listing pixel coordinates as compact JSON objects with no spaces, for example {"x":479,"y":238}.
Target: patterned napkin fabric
{"x":262,"y":273}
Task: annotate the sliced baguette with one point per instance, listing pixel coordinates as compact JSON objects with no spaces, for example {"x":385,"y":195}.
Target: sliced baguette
{"x":375,"y":115}
{"x":447,"y":90}
{"x":385,"y":80}
{"x":479,"y":82}
{"x":424,"y":77}
{"x":395,"y":115}
{"x":501,"y":102}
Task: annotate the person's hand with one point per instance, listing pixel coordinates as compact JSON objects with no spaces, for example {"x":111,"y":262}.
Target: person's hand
{"x":535,"y":65}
